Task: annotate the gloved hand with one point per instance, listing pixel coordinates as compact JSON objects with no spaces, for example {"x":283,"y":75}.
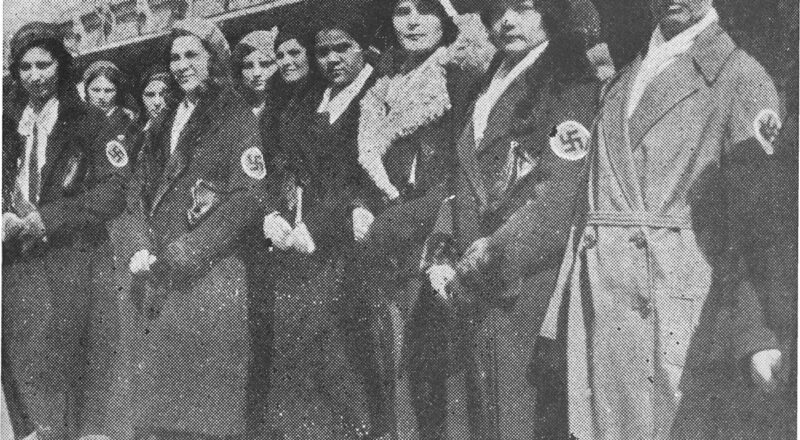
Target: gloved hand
{"x":475,"y":258}
{"x":362,"y":220}
{"x":440,"y":275}
{"x":33,"y":226}
{"x":763,"y":367}
{"x":141,"y":261}
{"x":277,"y":230}
{"x":300,"y":239}
{"x":12,"y":226}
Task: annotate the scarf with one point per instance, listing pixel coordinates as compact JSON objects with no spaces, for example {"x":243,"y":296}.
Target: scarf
{"x":396,"y":107}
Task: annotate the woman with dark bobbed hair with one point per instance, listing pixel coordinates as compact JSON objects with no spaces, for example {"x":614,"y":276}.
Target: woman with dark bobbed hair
{"x":253,"y":66}
{"x":297,"y":74}
{"x":200,"y":187}
{"x":106,"y":88}
{"x":520,"y":161}
{"x":62,"y":182}
{"x":157,"y":93}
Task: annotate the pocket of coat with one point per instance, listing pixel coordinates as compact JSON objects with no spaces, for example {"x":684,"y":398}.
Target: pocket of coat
{"x":676,"y":321}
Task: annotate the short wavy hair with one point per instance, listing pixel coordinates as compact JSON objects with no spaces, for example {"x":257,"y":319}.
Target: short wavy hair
{"x":555,"y":15}
{"x":219,"y":64}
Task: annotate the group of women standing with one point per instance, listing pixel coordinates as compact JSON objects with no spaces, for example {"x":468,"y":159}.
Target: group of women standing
{"x":223,"y":139}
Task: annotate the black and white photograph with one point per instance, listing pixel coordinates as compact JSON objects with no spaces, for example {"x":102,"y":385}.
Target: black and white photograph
{"x":399,"y":220}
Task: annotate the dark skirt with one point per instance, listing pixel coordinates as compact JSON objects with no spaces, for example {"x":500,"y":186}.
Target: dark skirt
{"x":315,"y":391}
{"x":61,"y":335}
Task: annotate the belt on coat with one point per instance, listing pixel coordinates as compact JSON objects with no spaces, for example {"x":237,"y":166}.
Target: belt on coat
{"x":633,"y":218}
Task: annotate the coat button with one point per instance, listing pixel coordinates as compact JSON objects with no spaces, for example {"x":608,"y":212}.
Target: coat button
{"x":644,"y":306}
{"x":589,"y":241}
{"x":639,"y":240}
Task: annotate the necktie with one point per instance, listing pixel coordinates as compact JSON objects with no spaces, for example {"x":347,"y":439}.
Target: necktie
{"x":33,"y":167}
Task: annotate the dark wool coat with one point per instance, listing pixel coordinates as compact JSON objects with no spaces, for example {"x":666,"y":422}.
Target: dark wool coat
{"x":314,"y":322}
{"x":324,"y":160}
{"x":525,"y":218}
{"x":192,"y":368}
{"x":60,"y":323}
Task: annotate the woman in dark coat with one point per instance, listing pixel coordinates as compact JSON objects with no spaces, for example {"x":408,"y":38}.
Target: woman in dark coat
{"x":199,"y":188}
{"x":294,"y":78}
{"x":61,"y":184}
{"x":405,"y":143}
{"x":318,"y":388}
{"x":156,"y":95}
{"x":520,"y":161}
{"x":253,"y":62}
{"x":106,"y":89}
{"x":297,"y":74}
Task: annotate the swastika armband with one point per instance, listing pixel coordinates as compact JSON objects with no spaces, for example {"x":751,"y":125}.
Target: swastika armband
{"x":116,"y":154}
{"x":253,"y":163}
{"x":766,"y":127}
{"x":570,"y":140}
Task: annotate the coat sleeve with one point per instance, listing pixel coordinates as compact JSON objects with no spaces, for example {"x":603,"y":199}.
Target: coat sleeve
{"x":748,"y":172}
{"x":101,"y":197}
{"x":244,"y":206}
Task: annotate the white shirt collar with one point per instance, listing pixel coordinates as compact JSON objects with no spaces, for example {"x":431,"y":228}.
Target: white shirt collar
{"x":683,"y":40}
{"x":44,"y":120}
{"x":498,"y":86}
{"x":337,"y":105}
{"x":521,"y":66}
{"x":661,"y":54}
{"x":182,"y":116}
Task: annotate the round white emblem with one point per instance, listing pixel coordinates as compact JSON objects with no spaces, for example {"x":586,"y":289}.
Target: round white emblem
{"x":116,"y":154}
{"x":766,"y":126}
{"x":570,"y":140}
{"x":253,"y":163}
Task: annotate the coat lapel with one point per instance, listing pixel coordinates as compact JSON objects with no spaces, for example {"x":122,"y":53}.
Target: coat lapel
{"x":68,"y":115}
{"x":201,"y":121}
{"x":468,"y":161}
{"x":692,"y":71}
{"x":614,"y":130}
{"x":501,"y":118}
{"x":676,"y":83}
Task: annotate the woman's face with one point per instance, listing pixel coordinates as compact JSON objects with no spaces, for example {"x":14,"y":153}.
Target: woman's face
{"x":516,"y":27}
{"x":292,"y":60}
{"x":38,"y":72}
{"x":257,"y":69}
{"x":154,"y":97}
{"x":189,"y":63}
{"x":102,"y":93}
{"x":417,"y":25}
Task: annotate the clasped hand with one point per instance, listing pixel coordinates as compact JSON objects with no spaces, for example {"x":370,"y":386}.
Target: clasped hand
{"x":28,"y":227}
{"x":284,"y":237}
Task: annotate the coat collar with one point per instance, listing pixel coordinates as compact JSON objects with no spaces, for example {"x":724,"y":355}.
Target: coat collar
{"x":506,"y":117}
{"x":205,"y":119}
{"x":697,"y":69}
{"x":711,"y":51}
{"x":73,"y":115}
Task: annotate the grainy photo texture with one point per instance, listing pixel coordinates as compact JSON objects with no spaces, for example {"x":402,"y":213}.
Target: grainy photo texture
{"x":399,"y":220}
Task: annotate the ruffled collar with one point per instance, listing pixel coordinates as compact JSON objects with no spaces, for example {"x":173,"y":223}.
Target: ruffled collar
{"x":399,"y":105}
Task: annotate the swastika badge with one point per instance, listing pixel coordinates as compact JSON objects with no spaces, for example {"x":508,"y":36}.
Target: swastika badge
{"x":570,"y":140}
{"x":116,"y":154}
{"x":766,"y":126}
{"x":253,"y":163}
